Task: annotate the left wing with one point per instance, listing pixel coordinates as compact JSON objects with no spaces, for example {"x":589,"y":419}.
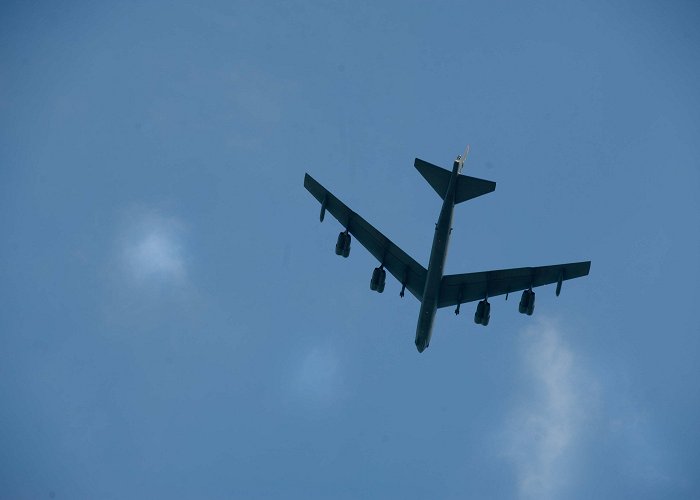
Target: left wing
{"x":461,"y":288}
{"x":396,"y":261}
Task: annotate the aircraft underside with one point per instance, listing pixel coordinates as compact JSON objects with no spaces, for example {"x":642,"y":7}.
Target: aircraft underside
{"x":433,"y":289}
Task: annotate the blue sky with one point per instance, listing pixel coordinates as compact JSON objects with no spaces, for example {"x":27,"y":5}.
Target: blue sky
{"x":174,"y":323}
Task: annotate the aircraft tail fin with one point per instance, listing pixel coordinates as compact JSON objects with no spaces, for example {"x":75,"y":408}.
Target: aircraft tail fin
{"x":439,"y":178}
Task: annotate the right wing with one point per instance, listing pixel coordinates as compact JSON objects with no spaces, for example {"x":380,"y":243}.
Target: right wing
{"x":396,"y":261}
{"x":461,"y":288}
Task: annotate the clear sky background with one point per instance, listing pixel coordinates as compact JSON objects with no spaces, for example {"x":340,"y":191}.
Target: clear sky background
{"x":174,"y":322}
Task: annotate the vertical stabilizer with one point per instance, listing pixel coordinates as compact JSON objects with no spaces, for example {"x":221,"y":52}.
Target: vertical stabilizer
{"x":459,"y":162}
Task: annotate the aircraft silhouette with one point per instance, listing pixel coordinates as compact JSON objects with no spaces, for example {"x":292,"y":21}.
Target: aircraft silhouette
{"x":433,"y":289}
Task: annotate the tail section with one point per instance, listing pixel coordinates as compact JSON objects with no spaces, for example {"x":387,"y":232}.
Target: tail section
{"x":471,"y":187}
{"x":459,"y":162}
{"x":439,"y":178}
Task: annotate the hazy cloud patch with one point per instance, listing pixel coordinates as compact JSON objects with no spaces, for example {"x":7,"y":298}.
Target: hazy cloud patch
{"x":152,"y":248}
{"x":542,"y":433}
{"x":568,"y":418}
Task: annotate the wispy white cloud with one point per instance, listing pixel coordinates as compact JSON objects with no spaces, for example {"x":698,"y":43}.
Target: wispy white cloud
{"x":543,"y":431}
{"x":152,"y":248}
{"x":549,"y":434}
{"x":156,"y":254}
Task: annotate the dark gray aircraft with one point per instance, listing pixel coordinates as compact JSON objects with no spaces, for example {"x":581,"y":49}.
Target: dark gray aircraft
{"x":431,"y":287}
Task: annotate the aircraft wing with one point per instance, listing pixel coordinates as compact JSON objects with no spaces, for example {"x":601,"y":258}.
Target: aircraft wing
{"x":462,"y":288}
{"x":395,"y":260}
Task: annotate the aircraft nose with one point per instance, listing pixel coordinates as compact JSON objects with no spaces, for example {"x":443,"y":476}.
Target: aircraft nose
{"x":420,"y":345}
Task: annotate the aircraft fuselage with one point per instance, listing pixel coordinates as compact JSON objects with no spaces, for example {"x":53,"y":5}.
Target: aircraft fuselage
{"x":436,"y":265}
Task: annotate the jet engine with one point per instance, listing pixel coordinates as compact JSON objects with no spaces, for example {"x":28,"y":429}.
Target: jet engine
{"x":342,"y":246}
{"x":483,"y":313}
{"x":527,"y":303}
{"x":378,"y":279}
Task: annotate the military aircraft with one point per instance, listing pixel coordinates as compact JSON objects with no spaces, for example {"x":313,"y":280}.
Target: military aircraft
{"x":430,"y":286}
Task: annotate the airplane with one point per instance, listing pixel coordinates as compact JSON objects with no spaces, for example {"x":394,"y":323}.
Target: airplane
{"x":433,"y":289}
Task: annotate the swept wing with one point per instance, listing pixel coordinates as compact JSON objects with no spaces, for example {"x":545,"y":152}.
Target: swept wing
{"x":395,"y":260}
{"x":462,"y":288}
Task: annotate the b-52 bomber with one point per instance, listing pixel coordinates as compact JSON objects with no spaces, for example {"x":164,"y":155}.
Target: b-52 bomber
{"x":433,"y":289}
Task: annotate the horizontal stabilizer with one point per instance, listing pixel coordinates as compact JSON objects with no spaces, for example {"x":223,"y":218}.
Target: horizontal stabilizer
{"x":437,"y":177}
{"x":471,"y":187}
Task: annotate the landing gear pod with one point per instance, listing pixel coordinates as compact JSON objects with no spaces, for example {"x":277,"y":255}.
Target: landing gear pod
{"x":378,"y":280}
{"x":483,"y":313}
{"x":342,"y":246}
{"x":527,"y":303}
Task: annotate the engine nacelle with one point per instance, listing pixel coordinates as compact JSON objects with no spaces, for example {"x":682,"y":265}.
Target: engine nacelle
{"x":342,"y":246}
{"x":527,"y":303}
{"x":378,"y":280}
{"x":483,"y":313}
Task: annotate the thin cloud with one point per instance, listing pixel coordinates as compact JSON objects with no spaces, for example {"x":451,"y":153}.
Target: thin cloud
{"x":156,"y":254}
{"x":542,"y":434}
{"x":548,"y":434}
{"x":152,"y":249}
